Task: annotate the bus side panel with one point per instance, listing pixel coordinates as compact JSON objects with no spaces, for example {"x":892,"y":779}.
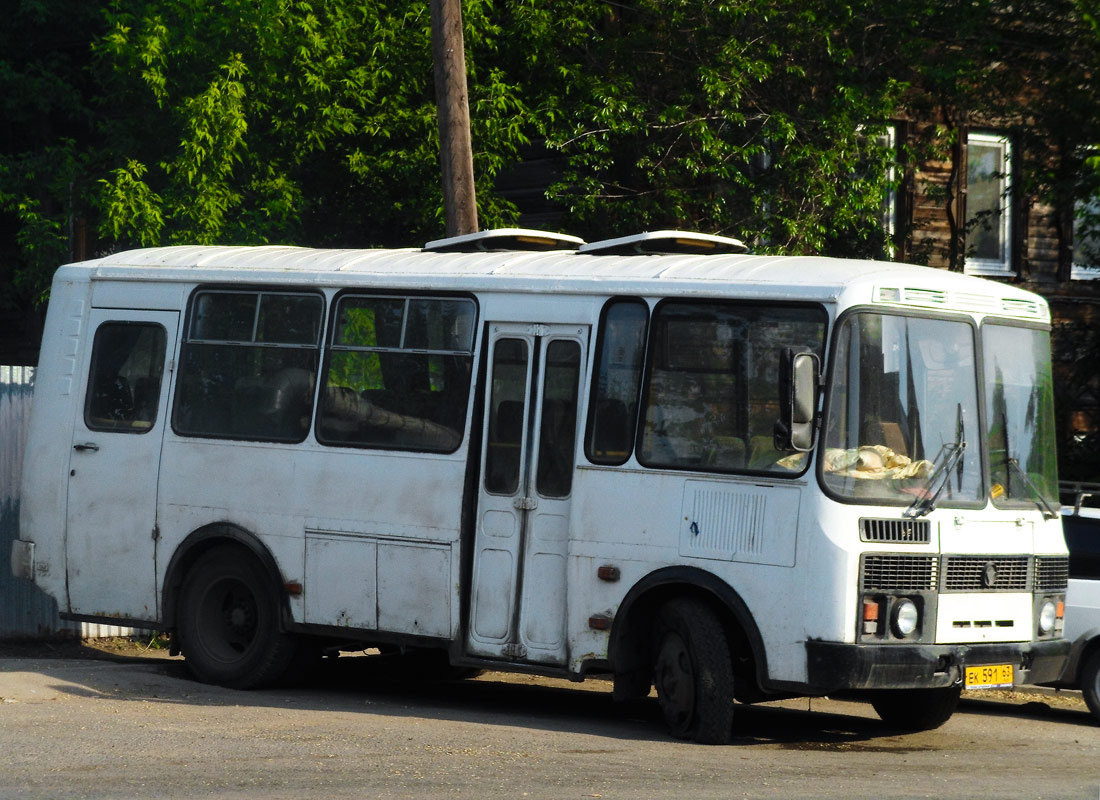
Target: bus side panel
{"x":58,"y":391}
{"x":642,"y":514}
{"x":371,"y":535}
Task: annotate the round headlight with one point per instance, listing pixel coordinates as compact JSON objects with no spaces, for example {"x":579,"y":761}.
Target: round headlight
{"x":905,"y":618}
{"x":1046,"y":617}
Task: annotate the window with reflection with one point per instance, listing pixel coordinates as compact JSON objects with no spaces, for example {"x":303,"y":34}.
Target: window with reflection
{"x":397,"y":373}
{"x":618,"y":377}
{"x":903,"y":411}
{"x":1019,"y":395}
{"x":507,"y":416}
{"x":558,"y":426}
{"x":712,"y":391}
{"x":124,"y":383}
{"x":248,"y":365}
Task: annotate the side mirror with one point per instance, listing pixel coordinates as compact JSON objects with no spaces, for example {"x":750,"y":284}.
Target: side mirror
{"x":798,"y":381}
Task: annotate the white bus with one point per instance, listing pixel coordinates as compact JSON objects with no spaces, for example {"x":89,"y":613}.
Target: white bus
{"x":656,"y":458}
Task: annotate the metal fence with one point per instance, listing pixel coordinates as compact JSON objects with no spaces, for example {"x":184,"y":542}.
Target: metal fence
{"x":25,"y":611}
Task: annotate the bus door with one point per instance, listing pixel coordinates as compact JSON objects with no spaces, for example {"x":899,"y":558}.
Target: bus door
{"x":114,"y":463}
{"x":518,"y":591}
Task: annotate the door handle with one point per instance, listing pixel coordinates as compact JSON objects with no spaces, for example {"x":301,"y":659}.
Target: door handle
{"x":86,"y":446}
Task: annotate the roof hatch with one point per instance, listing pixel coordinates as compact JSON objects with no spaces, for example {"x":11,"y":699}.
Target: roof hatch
{"x":504,"y":239}
{"x":666,"y":242}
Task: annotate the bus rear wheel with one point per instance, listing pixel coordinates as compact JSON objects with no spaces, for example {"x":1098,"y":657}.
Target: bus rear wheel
{"x":916,"y":709}
{"x":693,"y":672}
{"x":229,"y":622}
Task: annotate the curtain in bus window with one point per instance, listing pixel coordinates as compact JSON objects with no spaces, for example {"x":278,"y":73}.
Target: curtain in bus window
{"x":398,"y":373}
{"x":712,"y":396}
{"x":125,"y":377}
{"x":248,"y":366}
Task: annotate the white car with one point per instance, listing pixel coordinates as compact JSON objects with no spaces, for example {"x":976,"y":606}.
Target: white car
{"x":1082,"y":529}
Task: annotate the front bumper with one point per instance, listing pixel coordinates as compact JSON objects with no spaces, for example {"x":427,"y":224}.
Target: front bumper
{"x":836,"y":666}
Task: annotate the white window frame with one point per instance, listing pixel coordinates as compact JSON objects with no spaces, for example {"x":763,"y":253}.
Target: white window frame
{"x":1078,"y":271}
{"x":890,"y":206}
{"x":1003,"y":265}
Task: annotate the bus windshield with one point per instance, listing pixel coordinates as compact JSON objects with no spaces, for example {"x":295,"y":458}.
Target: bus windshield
{"x":902,"y":426}
{"x":1019,"y":395}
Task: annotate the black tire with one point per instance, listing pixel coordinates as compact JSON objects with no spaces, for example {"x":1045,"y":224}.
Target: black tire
{"x":229,"y":622}
{"x":916,"y":709}
{"x":693,"y":672}
{"x":1090,"y":683}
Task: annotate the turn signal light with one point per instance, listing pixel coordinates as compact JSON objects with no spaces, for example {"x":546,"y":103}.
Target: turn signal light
{"x":871,"y":613}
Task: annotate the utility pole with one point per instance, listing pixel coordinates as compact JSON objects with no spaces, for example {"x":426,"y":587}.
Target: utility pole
{"x":453,"y":110}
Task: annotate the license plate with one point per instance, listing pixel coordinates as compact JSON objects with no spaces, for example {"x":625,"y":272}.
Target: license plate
{"x":991,"y":676}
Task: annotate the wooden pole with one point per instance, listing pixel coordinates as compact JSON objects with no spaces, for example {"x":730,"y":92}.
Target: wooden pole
{"x":453,"y":109}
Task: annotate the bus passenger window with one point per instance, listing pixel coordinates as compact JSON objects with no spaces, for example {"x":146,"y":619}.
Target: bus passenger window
{"x":618,"y":375}
{"x":125,"y":377}
{"x":397,"y":374}
{"x":712,"y":396}
{"x":248,"y":365}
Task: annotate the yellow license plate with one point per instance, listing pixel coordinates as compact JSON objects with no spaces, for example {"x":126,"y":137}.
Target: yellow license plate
{"x":991,"y":676}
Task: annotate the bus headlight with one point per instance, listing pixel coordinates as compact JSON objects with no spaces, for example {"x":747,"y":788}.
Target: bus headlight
{"x":905,"y":618}
{"x":1047,"y":614}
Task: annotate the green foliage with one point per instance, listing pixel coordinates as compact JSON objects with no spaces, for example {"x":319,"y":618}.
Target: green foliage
{"x":46,"y":107}
{"x":313,"y":121}
{"x":751,"y":118}
{"x":281,"y":120}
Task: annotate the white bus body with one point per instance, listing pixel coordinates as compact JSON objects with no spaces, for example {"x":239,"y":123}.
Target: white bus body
{"x":557,"y":462}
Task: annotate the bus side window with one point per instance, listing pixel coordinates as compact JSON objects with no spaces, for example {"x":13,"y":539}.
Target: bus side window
{"x":397,"y":373}
{"x":248,"y":365}
{"x":713,"y":385}
{"x":125,"y":377}
{"x":617,"y":378}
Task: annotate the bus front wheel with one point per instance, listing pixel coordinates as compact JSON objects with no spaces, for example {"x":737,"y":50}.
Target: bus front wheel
{"x":1090,"y":683}
{"x":693,"y":672}
{"x":916,"y":709}
{"x":229,"y":622}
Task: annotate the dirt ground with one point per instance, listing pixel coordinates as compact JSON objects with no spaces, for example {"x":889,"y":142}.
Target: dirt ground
{"x":130,"y":649}
{"x":123,"y":719}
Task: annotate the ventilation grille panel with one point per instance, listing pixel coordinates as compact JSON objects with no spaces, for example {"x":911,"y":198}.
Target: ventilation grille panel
{"x":896,"y":531}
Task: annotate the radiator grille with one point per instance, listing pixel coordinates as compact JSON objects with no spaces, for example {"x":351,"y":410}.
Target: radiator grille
{"x":903,"y":531}
{"x":1051,"y":573}
{"x":986,"y":573}
{"x":905,"y":572}
{"x":889,"y":572}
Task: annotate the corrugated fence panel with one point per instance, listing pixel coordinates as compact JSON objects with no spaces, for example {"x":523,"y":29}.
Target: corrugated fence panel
{"x":25,"y":611}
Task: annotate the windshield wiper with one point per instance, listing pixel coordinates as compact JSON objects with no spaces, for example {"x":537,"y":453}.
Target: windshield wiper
{"x":950,"y":453}
{"x":1040,"y":500}
{"x":1014,"y":463}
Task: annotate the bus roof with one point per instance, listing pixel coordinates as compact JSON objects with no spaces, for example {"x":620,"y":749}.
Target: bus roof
{"x":809,"y":278}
